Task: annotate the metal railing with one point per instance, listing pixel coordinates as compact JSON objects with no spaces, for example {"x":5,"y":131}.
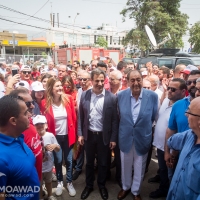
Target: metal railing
{"x":11,"y":58}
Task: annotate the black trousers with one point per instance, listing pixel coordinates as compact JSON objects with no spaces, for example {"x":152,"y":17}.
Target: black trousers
{"x":95,"y":145}
{"x":163,"y":171}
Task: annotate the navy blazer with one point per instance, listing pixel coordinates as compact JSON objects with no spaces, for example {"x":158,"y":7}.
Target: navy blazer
{"x":140,"y":132}
{"x":110,"y":118}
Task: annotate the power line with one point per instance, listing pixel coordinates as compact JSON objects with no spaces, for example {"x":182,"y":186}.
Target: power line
{"x":44,"y":20}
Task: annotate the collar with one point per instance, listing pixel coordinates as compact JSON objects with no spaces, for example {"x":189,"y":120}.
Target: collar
{"x":141,"y":93}
{"x":103,"y":93}
{"x":8,"y":140}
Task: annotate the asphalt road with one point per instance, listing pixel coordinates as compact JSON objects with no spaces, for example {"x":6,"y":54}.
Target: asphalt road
{"x":111,"y":185}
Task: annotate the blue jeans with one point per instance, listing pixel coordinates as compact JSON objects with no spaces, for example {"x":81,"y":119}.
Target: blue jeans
{"x":58,"y":156}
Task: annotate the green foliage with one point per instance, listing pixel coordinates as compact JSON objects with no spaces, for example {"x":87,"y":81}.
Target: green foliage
{"x":195,"y":37}
{"x":162,"y":17}
{"x":102,"y":42}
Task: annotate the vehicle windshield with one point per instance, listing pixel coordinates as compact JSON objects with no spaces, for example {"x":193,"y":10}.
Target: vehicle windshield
{"x":196,"y":62}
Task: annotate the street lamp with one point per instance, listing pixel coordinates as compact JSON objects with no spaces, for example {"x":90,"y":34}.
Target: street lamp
{"x":73,"y":25}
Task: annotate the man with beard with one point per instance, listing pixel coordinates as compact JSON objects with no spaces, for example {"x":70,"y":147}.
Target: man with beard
{"x":178,"y":122}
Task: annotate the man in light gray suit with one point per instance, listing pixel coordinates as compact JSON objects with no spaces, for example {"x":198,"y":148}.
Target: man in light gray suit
{"x":137,"y":109}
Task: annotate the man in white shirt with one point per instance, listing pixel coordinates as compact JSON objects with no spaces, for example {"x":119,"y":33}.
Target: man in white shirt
{"x":97,"y":129}
{"x":176,"y":91}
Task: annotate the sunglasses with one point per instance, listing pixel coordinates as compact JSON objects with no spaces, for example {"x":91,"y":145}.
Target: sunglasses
{"x":26,"y":72}
{"x":68,"y":86}
{"x":190,"y":82}
{"x":189,"y":113}
{"x":148,"y":88}
{"x":172,"y":89}
{"x":28,"y":103}
{"x":83,"y":79}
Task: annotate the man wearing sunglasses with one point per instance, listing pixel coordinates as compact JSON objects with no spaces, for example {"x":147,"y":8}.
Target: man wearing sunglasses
{"x":178,"y":122}
{"x":25,"y":74}
{"x":31,"y":137}
{"x":176,"y":91}
{"x":185,"y":182}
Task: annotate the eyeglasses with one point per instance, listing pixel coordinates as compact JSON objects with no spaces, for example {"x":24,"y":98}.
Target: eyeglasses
{"x":28,"y":103}
{"x":172,"y":89}
{"x":189,"y":113}
{"x":190,"y":82}
{"x":148,"y":88}
{"x":26,"y":72}
{"x":83,"y":79}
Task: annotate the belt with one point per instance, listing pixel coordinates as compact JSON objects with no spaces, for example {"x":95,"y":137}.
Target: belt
{"x":95,"y":132}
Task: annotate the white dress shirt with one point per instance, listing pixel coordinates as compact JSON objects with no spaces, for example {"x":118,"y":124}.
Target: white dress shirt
{"x":96,"y":111}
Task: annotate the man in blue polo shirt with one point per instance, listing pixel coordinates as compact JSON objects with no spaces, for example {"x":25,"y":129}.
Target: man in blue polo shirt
{"x":178,"y":122}
{"x":18,"y":175}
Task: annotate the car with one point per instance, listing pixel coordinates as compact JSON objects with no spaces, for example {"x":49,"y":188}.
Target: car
{"x":170,"y":58}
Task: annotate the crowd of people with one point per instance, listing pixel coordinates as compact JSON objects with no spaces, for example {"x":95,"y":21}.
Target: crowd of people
{"x":106,"y":115}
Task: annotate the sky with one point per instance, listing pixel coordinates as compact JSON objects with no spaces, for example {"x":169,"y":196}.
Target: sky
{"x":92,"y":13}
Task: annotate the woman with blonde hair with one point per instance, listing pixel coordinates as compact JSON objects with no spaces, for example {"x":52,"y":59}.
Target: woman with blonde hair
{"x":59,"y":110}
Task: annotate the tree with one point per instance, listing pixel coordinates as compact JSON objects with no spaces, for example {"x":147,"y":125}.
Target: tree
{"x":101,"y":42}
{"x":195,"y":37}
{"x":162,"y":16}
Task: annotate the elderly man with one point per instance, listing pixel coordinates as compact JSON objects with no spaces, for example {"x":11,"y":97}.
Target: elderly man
{"x":17,"y":162}
{"x":115,"y":81}
{"x":52,"y":68}
{"x":146,"y":84}
{"x":178,"y":71}
{"x":62,"y":71}
{"x":178,"y":122}
{"x":85,"y":83}
{"x":185,"y":182}
{"x":154,"y":85}
{"x":137,"y":110}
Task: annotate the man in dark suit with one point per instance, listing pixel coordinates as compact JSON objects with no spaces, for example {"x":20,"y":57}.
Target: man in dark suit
{"x":98,"y":129}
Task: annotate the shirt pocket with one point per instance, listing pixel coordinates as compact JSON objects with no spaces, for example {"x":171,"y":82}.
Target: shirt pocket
{"x":194,"y":179}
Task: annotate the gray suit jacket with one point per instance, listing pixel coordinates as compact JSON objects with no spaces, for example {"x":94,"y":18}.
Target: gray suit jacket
{"x":140,"y":132}
{"x":110,"y":117}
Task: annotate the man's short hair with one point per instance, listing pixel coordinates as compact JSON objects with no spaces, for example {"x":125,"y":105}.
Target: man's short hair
{"x":194,"y":72}
{"x":97,"y":72}
{"x":9,"y":107}
{"x":121,"y":65}
{"x":127,"y":70}
{"x":102,"y":64}
{"x":15,"y":93}
{"x":128,"y":75}
{"x":165,"y":70}
{"x":182,"y":83}
{"x":77,"y":62}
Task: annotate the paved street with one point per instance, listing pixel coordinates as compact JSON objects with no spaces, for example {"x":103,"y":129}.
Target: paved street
{"x":112,"y":186}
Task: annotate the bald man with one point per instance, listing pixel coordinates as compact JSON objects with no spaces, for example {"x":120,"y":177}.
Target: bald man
{"x":177,"y":71}
{"x":115,"y":81}
{"x":62,"y":71}
{"x":185,"y":182}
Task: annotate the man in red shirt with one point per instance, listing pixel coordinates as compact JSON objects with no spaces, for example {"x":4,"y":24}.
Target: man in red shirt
{"x":31,"y":137}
